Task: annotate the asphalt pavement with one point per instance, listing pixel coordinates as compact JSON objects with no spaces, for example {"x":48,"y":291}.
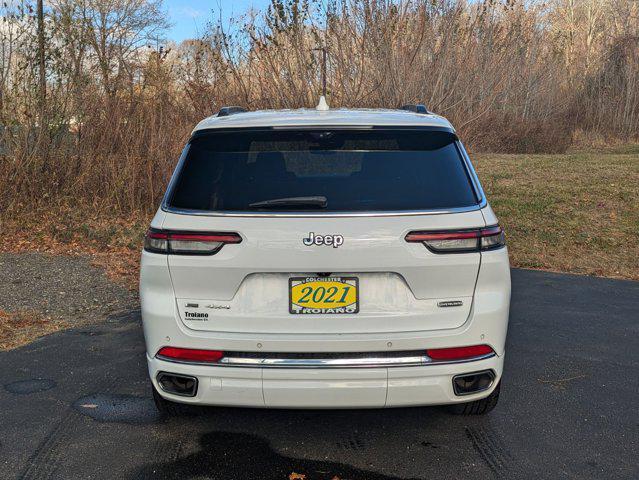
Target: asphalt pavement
{"x":77,"y":404}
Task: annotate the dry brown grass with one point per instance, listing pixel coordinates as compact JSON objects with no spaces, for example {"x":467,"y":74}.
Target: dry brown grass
{"x":113,"y":242}
{"x":20,"y":328}
{"x":576,"y":213}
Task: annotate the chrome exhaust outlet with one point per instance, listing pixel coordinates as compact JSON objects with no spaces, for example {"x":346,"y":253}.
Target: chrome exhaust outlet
{"x":177,"y":384}
{"x":474,"y":382}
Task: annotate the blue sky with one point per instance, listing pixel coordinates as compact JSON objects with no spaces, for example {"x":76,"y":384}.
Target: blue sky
{"x":189,"y":17}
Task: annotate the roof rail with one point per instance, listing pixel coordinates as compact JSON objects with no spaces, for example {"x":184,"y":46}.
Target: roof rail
{"x":416,"y":108}
{"x":226,"y":111}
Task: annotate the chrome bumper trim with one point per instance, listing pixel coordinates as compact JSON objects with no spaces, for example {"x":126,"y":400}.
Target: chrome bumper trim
{"x":336,"y":362}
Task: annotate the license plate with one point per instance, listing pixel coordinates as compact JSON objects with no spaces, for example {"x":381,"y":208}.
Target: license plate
{"x":323,"y":295}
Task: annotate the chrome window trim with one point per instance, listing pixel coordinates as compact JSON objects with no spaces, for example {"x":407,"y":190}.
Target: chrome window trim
{"x":346,"y":362}
{"x":471,"y":170}
{"x":174,"y":176}
{"x":399,"y":213}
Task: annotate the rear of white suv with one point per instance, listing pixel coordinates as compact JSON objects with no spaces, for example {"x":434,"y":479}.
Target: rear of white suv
{"x":338,"y":259}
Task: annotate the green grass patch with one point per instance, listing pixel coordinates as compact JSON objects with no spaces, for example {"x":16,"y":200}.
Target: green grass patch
{"x":575,"y":212}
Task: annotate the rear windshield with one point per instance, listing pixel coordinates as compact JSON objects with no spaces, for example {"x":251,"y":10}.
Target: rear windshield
{"x":323,"y":170}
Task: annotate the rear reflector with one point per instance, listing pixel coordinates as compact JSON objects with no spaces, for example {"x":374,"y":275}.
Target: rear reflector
{"x":457,"y":241}
{"x":187,"y":243}
{"x":190,"y":354}
{"x":459,"y":353}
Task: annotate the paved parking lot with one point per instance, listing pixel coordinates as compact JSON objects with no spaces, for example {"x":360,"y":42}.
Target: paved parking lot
{"x":76,"y":405}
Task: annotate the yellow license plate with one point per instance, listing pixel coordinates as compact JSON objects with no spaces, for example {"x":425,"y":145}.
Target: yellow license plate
{"x":323,"y":295}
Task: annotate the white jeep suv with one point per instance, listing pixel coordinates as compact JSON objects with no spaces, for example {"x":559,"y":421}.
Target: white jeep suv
{"x":325,"y":259}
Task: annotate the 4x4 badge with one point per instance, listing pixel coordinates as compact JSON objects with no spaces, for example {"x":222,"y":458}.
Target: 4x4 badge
{"x":329,"y":240}
{"x":215,"y":306}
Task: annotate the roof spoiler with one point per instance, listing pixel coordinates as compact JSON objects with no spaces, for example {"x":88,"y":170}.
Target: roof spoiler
{"x":415,"y":108}
{"x":226,"y":111}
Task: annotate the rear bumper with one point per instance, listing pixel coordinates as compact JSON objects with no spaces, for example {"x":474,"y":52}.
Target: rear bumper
{"x":326,"y":387}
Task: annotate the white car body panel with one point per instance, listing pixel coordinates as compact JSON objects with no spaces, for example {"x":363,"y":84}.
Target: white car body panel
{"x":228,"y":278}
{"x":243,"y":289}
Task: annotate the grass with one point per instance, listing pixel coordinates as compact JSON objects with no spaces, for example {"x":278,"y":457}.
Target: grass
{"x":577,"y":212}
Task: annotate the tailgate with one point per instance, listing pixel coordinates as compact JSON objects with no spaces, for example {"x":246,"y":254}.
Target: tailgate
{"x":402,"y":286}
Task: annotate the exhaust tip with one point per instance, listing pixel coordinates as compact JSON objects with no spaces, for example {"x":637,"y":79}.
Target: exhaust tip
{"x":475,"y":382}
{"x":176,"y":384}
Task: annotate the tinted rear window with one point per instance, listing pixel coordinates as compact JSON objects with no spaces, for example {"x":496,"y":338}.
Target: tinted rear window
{"x":354,"y":170}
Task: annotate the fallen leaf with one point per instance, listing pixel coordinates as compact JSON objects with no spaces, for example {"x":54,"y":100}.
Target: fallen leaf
{"x":296,"y":476}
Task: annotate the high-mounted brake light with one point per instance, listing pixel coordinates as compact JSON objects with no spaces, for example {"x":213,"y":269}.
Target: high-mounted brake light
{"x":451,"y":241}
{"x":459,"y":353}
{"x":187,"y":243}
{"x":190,"y":354}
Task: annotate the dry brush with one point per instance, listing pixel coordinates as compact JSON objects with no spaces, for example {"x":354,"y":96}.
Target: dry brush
{"x":513,"y":76}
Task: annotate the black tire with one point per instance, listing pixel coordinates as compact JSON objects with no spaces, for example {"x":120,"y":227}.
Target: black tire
{"x":167,"y":408}
{"x":477,"y":407}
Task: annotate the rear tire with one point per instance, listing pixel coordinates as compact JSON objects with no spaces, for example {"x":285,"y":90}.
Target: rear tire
{"x":166,"y":407}
{"x":477,"y":407}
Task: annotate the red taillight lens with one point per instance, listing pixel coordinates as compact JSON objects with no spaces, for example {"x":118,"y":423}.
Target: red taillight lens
{"x":187,"y":243}
{"x":190,"y":354}
{"x":459,"y":353}
{"x":460,"y":240}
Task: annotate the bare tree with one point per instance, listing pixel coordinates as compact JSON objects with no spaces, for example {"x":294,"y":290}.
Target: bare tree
{"x":115,"y":30}
{"x":513,"y":75}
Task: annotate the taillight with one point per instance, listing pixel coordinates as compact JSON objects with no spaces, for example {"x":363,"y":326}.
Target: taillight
{"x":459,"y":353}
{"x":451,"y":241}
{"x":187,"y":243}
{"x":156,"y":241}
{"x":190,"y":354}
